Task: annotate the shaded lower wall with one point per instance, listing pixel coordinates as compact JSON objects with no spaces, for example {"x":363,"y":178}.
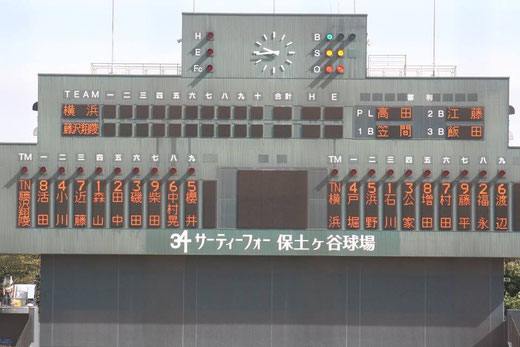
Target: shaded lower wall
{"x":206,"y":301}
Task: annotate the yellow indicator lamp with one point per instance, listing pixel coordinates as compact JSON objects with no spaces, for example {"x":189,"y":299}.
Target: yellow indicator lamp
{"x":329,"y":53}
{"x":340,"y":53}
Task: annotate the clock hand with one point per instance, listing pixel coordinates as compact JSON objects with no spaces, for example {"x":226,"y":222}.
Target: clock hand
{"x":266,"y":52}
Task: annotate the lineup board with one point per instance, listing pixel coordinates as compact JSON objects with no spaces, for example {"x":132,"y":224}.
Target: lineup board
{"x":299,"y":161}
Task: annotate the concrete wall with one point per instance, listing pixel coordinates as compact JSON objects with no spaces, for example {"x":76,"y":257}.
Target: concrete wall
{"x":270,"y":301}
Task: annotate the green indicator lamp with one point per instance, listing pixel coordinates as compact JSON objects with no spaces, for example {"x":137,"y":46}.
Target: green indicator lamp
{"x":329,"y":37}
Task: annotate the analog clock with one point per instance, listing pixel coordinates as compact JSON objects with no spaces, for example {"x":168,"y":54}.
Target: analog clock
{"x":273,"y":53}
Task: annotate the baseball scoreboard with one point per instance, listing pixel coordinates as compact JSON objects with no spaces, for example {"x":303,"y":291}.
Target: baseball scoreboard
{"x":272,"y":141}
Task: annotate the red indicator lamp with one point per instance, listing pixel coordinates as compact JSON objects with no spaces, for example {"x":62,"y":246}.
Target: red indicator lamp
{"x":408,"y":172}
{"x":464,"y":173}
{"x":43,"y":170}
{"x":340,"y":69}
{"x":329,"y":69}
{"x":501,"y":173}
{"x":329,"y":53}
{"x":210,"y":35}
{"x":209,"y":68}
{"x":155,"y":171}
{"x":117,"y":170}
{"x":390,"y":172}
{"x":135,"y":170}
{"x":427,"y":173}
{"x":173,"y":171}
{"x":353,"y":172}
{"x":446,"y":173}
{"x":61,"y":170}
{"x":210,"y":52}
{"x":483,"y":173}
{"x":334,"y":172}
{"x":191,"y":171}
{"x":371,"y":172}
{"x":24,"y":170}
{"x":99,"y":170}
{"x":80,"y":170}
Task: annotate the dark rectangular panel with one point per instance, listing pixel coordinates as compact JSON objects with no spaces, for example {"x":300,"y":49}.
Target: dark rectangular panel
{"x":353,"y":205}
{"x":445,"y":206}
{"x":334,"y":205}
{"x":42,"y":203}
{"x":257,"y":112}
{"x":482,"y":201}
{"x":240,"y":130}
{"x":310,"y":113}
{"x":191,"y":130}
{"x":333,"y":113}
{"x":175,"y":112}
{"x":207,"y":112}
{"x":174,"y":130}
{"x":135,"y":205}
{"x":240,"y":112}
{"x":80,"y":129}
{"x":125,"y":111}
{"x":172,"y":204}
{"x":109,"y":111}
{"x":61,"y":203}
{"x":142,"y":111}
{"x":224,"y":112}
{"x":463,"y":206}
{"x":464,"y":132}
{"x":282,"y":112}
{"x":394,"y":113}
{"x":209,"y":204}
{"x":516,"y":206}
{"x":207,"y":130}
{"x":501,"y":206}
{"x":272,"y":199}
{"x":257,"y":130}
{"x":158,"y":130}
{"x":371,"y":205}
{"x":75,"y":111}
{"x":158,"y":111}
{"x":282,"y":131}
{"x":464,"y":114}
{"x":333,"y":131}
{"x":389,"y":206}
{"x":408,"y":203}
{"x":310,"y":131}
{"x":191,"y":205}
{"x":109,"y":129}
{"x":80,"y":204}
{"x":394,"y":131}
{"x":191,"y":112}
{"x":125,"y":130}
{"x":117,"y":203}
{"x":98,"y":203}
{"x":141,"y":130}
{"x":154,"y":204}
{"x":426,"y":206}
{"x":224,"y":130}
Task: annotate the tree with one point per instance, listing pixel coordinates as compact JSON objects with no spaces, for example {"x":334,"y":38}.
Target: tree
{"x":512,"y":288}
{"x":25,"y":269}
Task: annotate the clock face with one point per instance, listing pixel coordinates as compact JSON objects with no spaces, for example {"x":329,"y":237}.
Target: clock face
{"x":273,"y":53}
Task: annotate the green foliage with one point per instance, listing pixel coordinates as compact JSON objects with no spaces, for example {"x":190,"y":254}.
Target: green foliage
{"x":24,"y":268}
{"x":512,"y":288}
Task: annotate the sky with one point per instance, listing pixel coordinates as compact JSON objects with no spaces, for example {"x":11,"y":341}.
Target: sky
{"x":480,"y":37}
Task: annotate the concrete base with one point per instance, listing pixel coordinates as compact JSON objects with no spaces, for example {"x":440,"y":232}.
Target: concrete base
{"x":195,"y":301}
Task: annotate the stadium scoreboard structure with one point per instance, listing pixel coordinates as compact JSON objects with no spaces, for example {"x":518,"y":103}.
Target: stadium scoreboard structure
{"x":272,"y":141}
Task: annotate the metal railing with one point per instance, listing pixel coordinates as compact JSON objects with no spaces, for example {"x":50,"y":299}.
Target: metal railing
{"x":135,"y":68}
{"x":513,"y":331}
{"x":397,"y":66}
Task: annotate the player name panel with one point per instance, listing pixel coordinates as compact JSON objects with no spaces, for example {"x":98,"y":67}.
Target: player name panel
{"x":419,"y":122}
{"x":191,"y":204}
